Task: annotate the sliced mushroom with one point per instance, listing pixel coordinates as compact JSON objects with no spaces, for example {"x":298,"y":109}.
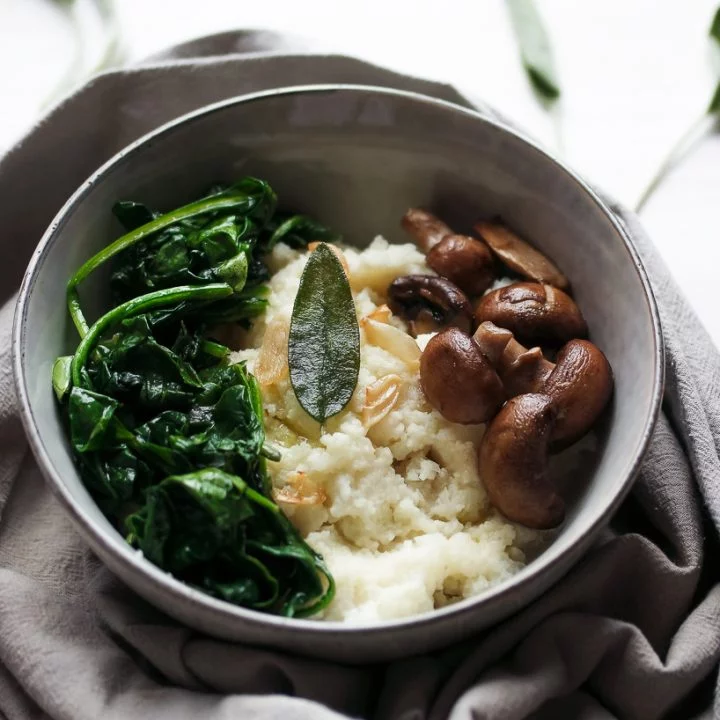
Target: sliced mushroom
{"x":533,"y":312}
{"x":513,"y":459}
{"x":430,"y":303}
{"x":427,"y":229}
{"x":458,"y":380}
{"x":519,"y":256}
{"x":580,"y":382}
{"x":463,"y":260}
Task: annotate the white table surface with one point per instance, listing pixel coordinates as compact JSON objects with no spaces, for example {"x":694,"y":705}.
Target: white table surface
{"x":635,"y":74}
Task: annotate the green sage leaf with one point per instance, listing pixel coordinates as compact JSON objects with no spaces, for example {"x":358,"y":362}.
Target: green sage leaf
{"x":324,"y":339}
{"x":535,"y":48}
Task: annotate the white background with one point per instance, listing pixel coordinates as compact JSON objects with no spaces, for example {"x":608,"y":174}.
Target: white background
{"x":635,"y":74}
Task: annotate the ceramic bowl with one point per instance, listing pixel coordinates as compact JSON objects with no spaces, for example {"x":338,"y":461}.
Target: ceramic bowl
{"x":357,"y":158}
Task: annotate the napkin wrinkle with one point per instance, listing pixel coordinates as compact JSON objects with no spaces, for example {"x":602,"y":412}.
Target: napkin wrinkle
{"x":632,"y":631}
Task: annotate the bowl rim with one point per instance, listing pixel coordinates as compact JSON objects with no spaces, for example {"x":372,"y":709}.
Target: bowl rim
{"x":164,"y":583}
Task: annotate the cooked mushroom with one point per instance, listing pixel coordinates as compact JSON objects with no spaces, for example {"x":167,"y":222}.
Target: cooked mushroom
{"x":458,"y":380}
{"x":465,"y":261}
{"x":430,"y":303}
{"x":513,"y":459}
{"x":533,"y":312}
{"x":518,"y":255}
{"x":427,"y":229}
{"x":461,"y":259}
{"x":579,"y":383}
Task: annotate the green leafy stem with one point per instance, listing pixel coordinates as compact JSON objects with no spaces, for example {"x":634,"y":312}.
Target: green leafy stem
{"x":235,"y":201}
{"x":136,"y":306}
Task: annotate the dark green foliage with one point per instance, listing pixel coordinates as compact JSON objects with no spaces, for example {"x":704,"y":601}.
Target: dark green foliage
{"x":169,"y":436}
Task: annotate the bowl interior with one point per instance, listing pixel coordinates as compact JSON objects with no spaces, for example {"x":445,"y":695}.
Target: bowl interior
{"x":357,"y":159}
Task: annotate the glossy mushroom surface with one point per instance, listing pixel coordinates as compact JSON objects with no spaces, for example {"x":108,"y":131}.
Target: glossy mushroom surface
{"x":579,"y":382}
{"x":427,"y":229}
{"x":430,"y":303}
{"x":533,"y":312}
{"x":519,"y":255}
{"x":464,"y":260}
{"x":458,"y":380}
{"x":513,"y":460}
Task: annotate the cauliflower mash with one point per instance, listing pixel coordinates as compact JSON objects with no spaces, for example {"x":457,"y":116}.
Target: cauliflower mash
{"x":388,"y":491}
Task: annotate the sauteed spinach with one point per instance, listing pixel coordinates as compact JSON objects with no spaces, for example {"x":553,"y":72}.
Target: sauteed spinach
{"x":167,"y":433}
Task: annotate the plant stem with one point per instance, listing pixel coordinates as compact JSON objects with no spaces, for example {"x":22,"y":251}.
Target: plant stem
{"x":74,"y":71}
{"x":136,"y":306}
{"x":679,"y":149}
{"x":112,"y":53}
{"x":234,"y":200}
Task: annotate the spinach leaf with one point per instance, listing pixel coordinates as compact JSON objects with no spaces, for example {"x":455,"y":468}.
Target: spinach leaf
{"x":324,"y":339}
{"x":91,"y":416}
{"x":168,"y":436}
{"x":297,"y":231}
{"x":535,"y":48}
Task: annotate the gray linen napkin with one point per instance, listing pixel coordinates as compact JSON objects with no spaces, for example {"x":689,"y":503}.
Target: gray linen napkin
{"x":633,"y":631}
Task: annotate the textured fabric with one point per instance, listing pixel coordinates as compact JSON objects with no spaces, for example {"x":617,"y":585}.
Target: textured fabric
{"x":633,"y":631}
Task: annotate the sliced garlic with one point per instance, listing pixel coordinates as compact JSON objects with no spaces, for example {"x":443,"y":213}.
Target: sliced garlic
{"x":393,"y":340}
{"x":382,"y":314}
{"x":300,"y":490}
{"x":339,"y":254}
{"x":271,"y":365}
{"x":380,"y":398}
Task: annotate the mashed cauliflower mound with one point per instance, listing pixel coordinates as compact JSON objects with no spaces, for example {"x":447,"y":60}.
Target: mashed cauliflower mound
{"x":393,"y":503}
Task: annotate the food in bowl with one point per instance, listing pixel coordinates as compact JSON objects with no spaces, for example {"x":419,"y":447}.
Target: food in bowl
{"x":337,"y":464}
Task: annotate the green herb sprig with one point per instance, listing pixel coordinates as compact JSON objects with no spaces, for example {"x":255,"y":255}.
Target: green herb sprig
{"x":688,"y":139}
{"x":168,"y":435}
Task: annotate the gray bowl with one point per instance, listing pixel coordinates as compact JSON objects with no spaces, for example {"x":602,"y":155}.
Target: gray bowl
{"x":357,"y":157}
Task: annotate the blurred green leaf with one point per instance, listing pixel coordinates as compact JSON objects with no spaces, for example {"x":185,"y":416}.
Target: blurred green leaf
{"x":535,"y":49}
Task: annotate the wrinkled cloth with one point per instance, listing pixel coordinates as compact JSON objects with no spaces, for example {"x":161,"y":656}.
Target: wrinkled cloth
{"x":632,"y":632}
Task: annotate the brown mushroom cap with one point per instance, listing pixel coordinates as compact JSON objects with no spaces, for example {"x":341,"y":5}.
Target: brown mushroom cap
{"x":457,"y":379}
{"x":513,"y":459}
{"x":426,"y":229}
{"x":519,"y":256}
{"x":579,"y":383}
{"x":429,"y":301}
{"x":533,"y":313}
{"x":580,"y":386}
{"x":465,"y":261}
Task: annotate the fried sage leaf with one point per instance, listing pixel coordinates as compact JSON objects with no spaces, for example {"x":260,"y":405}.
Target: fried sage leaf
{"x":324,"y":339}
{"x":535,"y":48}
